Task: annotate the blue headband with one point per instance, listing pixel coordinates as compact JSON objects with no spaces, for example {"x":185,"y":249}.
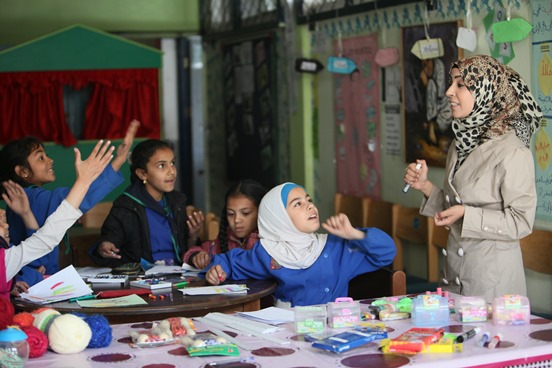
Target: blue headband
{"x":285,"y":191}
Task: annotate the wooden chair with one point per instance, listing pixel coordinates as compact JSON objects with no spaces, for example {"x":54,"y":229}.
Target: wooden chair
{"x":349,"y":205}
{"x":377,"y":214}
{"x":96,"y":216}
{"x":212,"y":224}
{"x":408,"y":225}
{"x":437,"y":237}
{"x":377,"y":284}
{"x":537,"y":251}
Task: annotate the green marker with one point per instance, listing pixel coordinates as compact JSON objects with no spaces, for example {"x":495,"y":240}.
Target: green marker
{"x":91,"y":296}
{"x":179,"y":284}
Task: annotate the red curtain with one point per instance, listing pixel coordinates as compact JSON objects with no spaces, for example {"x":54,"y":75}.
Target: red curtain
{"x":31,"y":103}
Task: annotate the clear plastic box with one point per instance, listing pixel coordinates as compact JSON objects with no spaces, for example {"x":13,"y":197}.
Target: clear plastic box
{"x":344,"y":312}
{"x":310,"y":319}
{"x":430,"y":310}
{"x":471,"y":309}
{"x":511,"y":310}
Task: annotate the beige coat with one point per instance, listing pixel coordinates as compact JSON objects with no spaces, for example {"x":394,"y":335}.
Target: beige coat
{"x":496,"y":185}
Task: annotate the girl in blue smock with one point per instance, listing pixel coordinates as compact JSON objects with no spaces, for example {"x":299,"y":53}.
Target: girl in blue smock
{"x":310,"y":268}
{"x":25,"y":162}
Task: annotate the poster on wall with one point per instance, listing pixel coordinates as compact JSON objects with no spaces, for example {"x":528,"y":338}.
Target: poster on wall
{"x":356,"y":117}
{"x":427,"y":115}
{"x":542,"y":91}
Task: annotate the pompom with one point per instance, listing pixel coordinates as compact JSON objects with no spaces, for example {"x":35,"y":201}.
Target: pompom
{"x":101,"y":331}
{"x":6,"y":313}
{"x":68,"y":334}
{"x":37,"y":340}
{"x":44,"y":317}
{"x":23,"y":319}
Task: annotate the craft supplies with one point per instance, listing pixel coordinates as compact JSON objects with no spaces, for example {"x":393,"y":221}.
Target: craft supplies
{"x":430,"y":310}
{"x":470,"y":309}
{"x":511,"y":310}
{"x":346,"y":341}
{"x":344,"y":312}
{"x":310,"y":319}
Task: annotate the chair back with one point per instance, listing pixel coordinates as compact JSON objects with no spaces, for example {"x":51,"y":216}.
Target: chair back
{"x":437,"y":237}
{"x":349,"y":205}
{"x":377,"y":214}
{"x":96,"y":216}
{"x":408,"y":225}
{"x":212,"y":225}
{"x":377,"y":284}
{"x":536,"y":249}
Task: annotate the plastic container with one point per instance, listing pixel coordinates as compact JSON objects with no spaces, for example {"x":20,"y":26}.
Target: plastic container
{"x":511,"y":310}
{"x":471,"y":309}
{"x":310,"y":319}
{"x":14,"y":349}
{"x":430,"y":310}
{"x":344,"y":312}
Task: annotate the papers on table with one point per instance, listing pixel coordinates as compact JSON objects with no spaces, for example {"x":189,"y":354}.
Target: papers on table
{"x":123,"y":301}
{"x":86,"y":272}
{"x":162,"y":269}
{"x":63,"y":285}
{"x":270,"y":315}
{"x":219,"y":289}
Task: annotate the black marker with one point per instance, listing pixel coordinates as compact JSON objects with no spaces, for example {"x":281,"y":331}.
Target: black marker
{"x":468,"y":335}
{"x":407,"y":186}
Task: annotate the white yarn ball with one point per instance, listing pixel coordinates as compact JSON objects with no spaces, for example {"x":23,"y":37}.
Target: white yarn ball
{"x":69,"y":334}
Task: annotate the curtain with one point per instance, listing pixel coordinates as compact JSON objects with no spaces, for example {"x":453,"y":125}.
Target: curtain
{"x":31,"y":103}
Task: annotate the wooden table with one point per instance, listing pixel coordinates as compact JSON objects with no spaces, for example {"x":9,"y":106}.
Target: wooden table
{"x":181,"y":305}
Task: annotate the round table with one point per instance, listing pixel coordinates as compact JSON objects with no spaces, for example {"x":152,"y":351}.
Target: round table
{"x":181,"y":305}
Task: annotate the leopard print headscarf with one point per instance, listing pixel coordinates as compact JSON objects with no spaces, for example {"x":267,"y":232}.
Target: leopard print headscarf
{"x":502,"y":102}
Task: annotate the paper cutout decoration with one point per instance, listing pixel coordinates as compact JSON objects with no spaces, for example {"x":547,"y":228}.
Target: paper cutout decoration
{"x":429,"y":48}
{"x":466,"y":39}
{"x":341,"y":65}
{"x":544,"y":76}
{"x":511,"y":30}
{"x":542,"y":149}
{"x":387,"y":56}
{"x":312,"y":66}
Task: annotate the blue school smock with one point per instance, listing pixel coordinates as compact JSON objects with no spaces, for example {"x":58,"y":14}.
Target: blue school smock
{"x":325,"y":280}
{"x":43,"y":203}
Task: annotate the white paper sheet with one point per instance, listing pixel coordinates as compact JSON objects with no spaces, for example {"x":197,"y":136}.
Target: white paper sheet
{"x":63,"y":285}
{"x":219,"y":289}
{"x":270,"y":315}
{"x":162,"y":269}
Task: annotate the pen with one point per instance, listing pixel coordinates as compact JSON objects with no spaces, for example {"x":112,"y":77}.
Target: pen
{"x":495,"y":341}
{"x":91,"y":296}
{"x":179,"y":284}
{"x":407,"y":186}
{"x":232,"y":361}
{"x":485,"y":338}
{"x":468,"y":335}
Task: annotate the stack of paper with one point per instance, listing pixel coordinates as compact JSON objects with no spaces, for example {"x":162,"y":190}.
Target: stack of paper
{"x":162,"y":269}
{"x":270,"y":315}
{"x":219,"y":289}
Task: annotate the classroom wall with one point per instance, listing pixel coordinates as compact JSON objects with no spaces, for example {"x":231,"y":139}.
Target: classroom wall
{"x":24,"y":20}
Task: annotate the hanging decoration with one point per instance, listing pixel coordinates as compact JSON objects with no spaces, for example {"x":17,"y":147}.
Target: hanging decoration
{"x":430,"y":48}
{"x":389,"y":55}
{"x":502,"y":51}
{"x":311,"y":66}
{"x":511,"y":30}
{"x":467,"y":39}
{"x":339,"y":64}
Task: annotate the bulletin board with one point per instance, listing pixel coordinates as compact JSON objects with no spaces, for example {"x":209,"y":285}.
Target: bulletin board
{"x":542,"y":91}
{"x":250,"y":111}
{"x":357,"y":120}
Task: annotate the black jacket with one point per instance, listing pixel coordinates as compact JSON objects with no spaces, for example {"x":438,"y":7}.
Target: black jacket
{"x":127,"y":227}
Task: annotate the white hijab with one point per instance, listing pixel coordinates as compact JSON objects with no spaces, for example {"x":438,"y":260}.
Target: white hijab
{"x":280,"y":238}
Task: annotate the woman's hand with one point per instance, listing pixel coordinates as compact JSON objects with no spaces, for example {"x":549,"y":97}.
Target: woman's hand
{"x":215,"y":275}
{"x":341,"y":226}
{"x":108,"y":250}
{"x":417,"y":178}
{"x":449,"y":216}
{"x":201,"y":260}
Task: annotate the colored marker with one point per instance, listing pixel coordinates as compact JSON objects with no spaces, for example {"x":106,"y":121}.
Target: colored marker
{"x":468,"y":335}
{"x":495,"y":341}
{"x":232,"y":361}
{"x":179,"y":284}
{"x":407,"y":186}
{"x":485,"y":338}
{"x":91,"y":296}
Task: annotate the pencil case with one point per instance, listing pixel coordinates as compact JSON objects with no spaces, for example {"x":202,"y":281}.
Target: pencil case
{"x":344,"y":312}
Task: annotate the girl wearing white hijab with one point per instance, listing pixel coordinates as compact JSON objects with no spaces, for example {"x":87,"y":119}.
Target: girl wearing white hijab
{"x":310,"y":268}
{"x":488,"y":199}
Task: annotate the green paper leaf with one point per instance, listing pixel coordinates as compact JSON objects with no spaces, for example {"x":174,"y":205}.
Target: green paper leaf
{"x":511,"y":30}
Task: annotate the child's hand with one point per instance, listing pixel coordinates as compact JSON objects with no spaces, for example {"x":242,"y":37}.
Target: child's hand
{"x":126,"y":145}
{"x":108,"y":250}
{"x":195,"y":220}
{"x":16,"y":198}
{"x":201,"y":260}
{"x":20,"y":287}
{"x":215,"y":275}
{"x":89,"y":169}
{"x":341,"y":226}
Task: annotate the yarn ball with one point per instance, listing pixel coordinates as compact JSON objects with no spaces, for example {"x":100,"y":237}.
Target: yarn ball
{"x":37,"y":340}
{"x":6,"y":313}
{"x":23,"y":319}
{"x":68,"y":334}
{"x":44,"y":317}
{"x":101,"y":331}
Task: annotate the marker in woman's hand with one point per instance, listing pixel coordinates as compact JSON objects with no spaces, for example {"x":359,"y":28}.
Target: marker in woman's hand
{"x":407,"y":186}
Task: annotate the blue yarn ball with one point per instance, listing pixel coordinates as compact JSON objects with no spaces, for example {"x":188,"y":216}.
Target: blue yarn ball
{"x":101,"y":330}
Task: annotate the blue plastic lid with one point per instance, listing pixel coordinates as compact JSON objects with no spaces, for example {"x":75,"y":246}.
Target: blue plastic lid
{"x":12,"y":335}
